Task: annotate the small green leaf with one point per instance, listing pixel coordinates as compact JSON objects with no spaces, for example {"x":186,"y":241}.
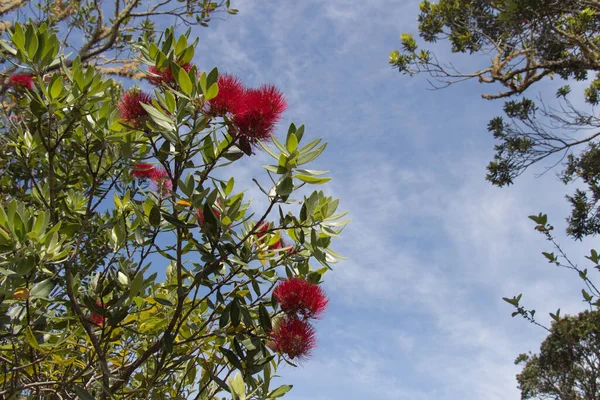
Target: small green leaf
{"x":280,"y":391}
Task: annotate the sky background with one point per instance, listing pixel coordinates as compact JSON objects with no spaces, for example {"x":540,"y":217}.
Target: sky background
{"x":416,"y":312}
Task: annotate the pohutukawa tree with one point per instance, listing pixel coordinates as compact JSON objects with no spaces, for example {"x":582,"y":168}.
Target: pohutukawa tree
{"x":528,"y":42}
{"x":128,"y":267}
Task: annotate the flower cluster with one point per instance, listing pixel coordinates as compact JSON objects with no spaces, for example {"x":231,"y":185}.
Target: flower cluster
{"x":254,"y":112}
{"x":157,"y":175}
{"x":294,"y":337}
{"x":300,"y":300}
{"x":19,"y":81}
{"x":131,"y":109}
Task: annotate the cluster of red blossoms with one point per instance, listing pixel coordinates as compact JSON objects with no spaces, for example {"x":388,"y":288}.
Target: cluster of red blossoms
{"x":253,"y":111}
{"x":131,"y":109}
{"x":18,"y":81}
{"x":157,"y":175}
{"x":300,"y":300}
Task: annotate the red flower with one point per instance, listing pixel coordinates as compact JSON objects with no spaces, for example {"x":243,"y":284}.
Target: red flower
{"x":21,"y":81}
{"x":98,"y":319}
{"x":231,"y":98}
{"x":160,"y":177}
{"x":263,"y":229}
{"x":130,"y":107}
{"x":142,"y":170}
{"x":293,"y":337}
{"x":263,"y":109}
{"x":298,"y":296}
{"x":164,"y":77}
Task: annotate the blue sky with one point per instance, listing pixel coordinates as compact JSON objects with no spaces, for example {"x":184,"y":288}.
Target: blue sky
{"x":416,"y":312}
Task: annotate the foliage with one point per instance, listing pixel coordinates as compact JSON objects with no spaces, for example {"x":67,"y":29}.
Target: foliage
{"x":527,"y":41}
{"x":128,"y":268}
{"x":568,"y":364}
{"x":100,"y":31}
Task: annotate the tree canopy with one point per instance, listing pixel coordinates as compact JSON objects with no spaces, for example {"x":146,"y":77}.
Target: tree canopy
{"x":132,"y":263}
{"x":568,"y":364}
{"x":526,"y":41}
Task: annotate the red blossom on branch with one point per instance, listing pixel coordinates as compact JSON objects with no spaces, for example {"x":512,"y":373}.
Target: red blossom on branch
{"x":21,"y":81}
{"x":298,"y":296}
{"x":231,"y":98}
{"x":160,"y":177}
{"x":293,"y":337}
{"x":263,"y":109}
{"x":142,"y":170}
{"x":98,"y":319}
{"x":130,"y":107}
{"x":165,"y":76}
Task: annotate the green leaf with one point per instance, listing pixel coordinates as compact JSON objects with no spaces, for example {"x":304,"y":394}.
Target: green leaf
{"x":264,"y":318}
{"x":42,"y":289}
{"x":181,"y":45}
{"x":308,"y":157}
{"x":57,"y":86}
{"x":292,"y":143}
{"x":312,"y":179}
{"x":235,"y":313}
{"x":154,"y":217}
{"x":184,"y":81}
{"x":212,"y":92}
{"x":170,"y":101}
{"x":231,"y":357}
{"x":30,"y":339}
{"x":32,"y":42}
{"x":82,"y":393}
{"x":285,"y":187}
{"x":512,"y":301}
{"x":268,"y":150}
{"x":280,"y":391}
{"x":229,"y":186}
{"x":549,"y":256}
{"x":203,"y":83}
{"x":237,"y":387}
{"x":159,"y":118}
{"x":163,"y":301}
